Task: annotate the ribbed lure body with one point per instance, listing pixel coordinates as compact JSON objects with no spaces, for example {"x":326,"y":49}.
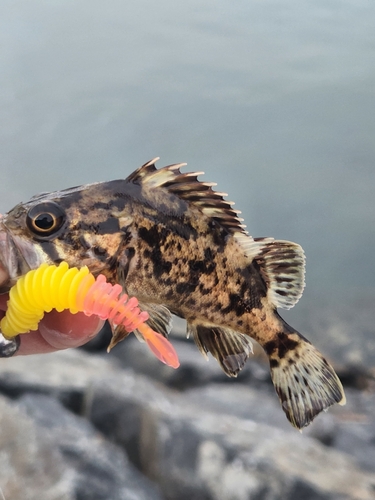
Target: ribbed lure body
{"x":60,"y":287}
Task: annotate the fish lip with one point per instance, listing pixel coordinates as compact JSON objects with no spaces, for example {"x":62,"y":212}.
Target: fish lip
{"x":7,"y":258}
{"x":15,"y":258}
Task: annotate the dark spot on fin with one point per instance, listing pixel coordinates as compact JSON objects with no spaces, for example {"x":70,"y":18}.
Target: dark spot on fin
{"x":304,"y":381}
{"x":282,"y":266}
{"x":187,"y":187}
{"x":230,"y":348}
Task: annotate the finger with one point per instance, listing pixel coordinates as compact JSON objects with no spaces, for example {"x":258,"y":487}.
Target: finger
{"x":63,"y":330}
{"x":59,"y":331}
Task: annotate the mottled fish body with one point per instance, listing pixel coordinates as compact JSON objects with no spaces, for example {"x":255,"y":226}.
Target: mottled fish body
{"x":179,"y":247}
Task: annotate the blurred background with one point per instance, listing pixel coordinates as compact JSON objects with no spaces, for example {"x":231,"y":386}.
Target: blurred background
{"x":274,"y":100}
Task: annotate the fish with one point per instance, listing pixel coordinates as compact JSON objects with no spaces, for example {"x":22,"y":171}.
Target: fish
{"x":179,"y":247}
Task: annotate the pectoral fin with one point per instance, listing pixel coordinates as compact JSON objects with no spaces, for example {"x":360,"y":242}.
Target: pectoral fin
{"x":230,"y":348}
{"x":160,"y":320}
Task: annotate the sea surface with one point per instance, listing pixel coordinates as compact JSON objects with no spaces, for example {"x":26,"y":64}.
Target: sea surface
{"x":274,"y":100}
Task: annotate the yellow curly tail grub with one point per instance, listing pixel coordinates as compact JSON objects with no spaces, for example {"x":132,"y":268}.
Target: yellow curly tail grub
{"x":61,"y":287}
{"x":40,"y":291}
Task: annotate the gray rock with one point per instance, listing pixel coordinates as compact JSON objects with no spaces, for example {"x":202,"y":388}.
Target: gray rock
{"x":347,"y":338}
{"x":225,"y":458}
{"x":99,"y":469}
{"x":227,"y":440}
{"x":65,"y":375}
{"x":116,"y":406}
{"x":30,"y":466}
{"x":355,"y":430}
{"x":260,"y":405}
{"x":193,"y":449}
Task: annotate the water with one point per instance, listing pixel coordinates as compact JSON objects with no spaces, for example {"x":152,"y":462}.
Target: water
{"x":274,"y":100}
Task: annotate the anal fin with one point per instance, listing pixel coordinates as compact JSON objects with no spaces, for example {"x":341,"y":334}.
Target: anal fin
{"x":230,"y":348}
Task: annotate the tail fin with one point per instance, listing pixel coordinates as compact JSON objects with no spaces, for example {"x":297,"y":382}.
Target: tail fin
{"x":304,"y":381}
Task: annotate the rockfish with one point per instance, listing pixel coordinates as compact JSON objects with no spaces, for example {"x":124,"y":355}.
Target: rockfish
{"x":179,"y":247}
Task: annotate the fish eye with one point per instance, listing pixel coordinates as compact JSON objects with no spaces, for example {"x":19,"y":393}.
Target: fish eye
{"x":45,"y":219}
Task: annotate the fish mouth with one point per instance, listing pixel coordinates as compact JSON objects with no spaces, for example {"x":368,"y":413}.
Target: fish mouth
{"x":17,"y":257}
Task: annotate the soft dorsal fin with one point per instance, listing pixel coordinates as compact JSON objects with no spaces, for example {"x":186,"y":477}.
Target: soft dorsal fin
{"x":282,"y":265}
{"x":187,"y":187}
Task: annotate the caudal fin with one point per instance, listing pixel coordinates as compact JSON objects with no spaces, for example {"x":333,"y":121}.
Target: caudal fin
{"x":304,"y":380}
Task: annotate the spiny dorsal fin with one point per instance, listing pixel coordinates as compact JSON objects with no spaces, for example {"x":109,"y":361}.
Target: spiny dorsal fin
{"x":282,"y":265}
{"x":187,"y":187}
{"x":230,"y":348}
{"x":138,"y":175}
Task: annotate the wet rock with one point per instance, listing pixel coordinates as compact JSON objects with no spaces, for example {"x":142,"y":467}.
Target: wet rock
{"x":241,"y":401}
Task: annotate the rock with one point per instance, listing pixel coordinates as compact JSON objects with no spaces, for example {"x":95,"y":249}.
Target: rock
{"x":223,"y":440}
{"x":116,"y":406}
{"x":194,"y":370}
{"x":259,"y":405}
{"x":30,"y":466}
{"x":99,"y":470}
{"x":355,"y":430}
{"x":65,"y":375}
{"x":177,"y":440}
{"x":201,"y":455}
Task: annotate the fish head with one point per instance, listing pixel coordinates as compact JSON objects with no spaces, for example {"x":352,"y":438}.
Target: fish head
{"x":80,"y":226}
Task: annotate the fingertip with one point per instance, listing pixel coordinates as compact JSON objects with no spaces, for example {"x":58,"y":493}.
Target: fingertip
{"x":64,"y":330}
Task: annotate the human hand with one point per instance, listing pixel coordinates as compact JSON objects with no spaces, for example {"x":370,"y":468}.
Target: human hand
{"x":57,"y":331}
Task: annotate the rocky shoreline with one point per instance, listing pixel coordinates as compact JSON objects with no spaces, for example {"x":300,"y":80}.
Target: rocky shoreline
{"x":81,"y":424}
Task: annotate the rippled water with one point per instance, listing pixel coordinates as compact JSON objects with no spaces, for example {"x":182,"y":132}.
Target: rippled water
{"x":274,"y":100}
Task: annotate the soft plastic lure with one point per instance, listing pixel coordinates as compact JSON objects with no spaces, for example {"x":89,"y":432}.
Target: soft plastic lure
{"x":60,"y":287}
